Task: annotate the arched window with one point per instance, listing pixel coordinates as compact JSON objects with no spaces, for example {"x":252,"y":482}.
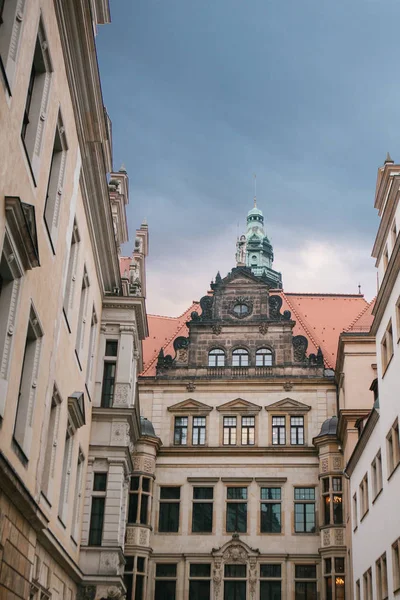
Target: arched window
{"x":216,"y":358}
{"x":263,"y":357}
{"x":241,"y":309}
{"x":240,"y":358}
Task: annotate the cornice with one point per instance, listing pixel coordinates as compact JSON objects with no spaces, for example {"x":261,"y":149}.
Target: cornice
{"x":238,"y":451}
{"x":137,"y":303}
{"x":386,"y":287}
{"x":389,"y":210}
{"x":349,"y":414}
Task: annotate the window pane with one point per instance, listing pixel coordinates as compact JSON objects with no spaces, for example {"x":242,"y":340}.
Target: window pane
{"x":305,"y":591}
{"x":165,"y":570}
{"x":337,"y":484}
{"x":200,"y":570}
{"x":305,"y":571}
{"x":140,"y":564}
{"x":270,"y":590}
{"x":165,"y":590}
{"x":202,"y":517}
{"x":128,"y":563}
{"x":96,"y":521}
{"x":304,"y":494}
{"x":146,"y":484}
{"x":139,"y":587}
{"x":128,"y":580}
{"x":236,"y":493}
{"x":111,"y":348}
{"x":135,"y":483}
{"x":169,"y":517}
{"x":235,"y":590}
{"x":100,"y":482}
{"x":133,"y":506}
{"x":170,"y":493}
{"x":270,"y":518}
{"x":270,"y":570}
{"x":203,"y":493}
{"x":339,"y":565}
{"x":337,"y":509}
{"x":270,"y":493}
{"x":236,"y":517}
{"x":199,"y":590}
{"x":235,"y":570}
{"x":310,"y":518}
{"x":143,"y":509}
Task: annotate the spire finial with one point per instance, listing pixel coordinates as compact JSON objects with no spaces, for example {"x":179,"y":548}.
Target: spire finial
{"x":359,"y":288}
{"x":388,"y":159}
{"x":255,"y":190}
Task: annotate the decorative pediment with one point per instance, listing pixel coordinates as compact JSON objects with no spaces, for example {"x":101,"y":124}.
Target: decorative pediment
{"x":288,"y":405}
{"x":235,"y":550}
{"x":76,"y":410}
{"x":240,"y":406}
{"x":190,"y":406}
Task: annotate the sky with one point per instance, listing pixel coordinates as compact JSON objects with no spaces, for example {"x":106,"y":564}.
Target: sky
{"x":204,"y":93}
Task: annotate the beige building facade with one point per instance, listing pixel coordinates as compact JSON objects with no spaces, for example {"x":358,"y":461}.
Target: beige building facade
{"x":70,"y":325}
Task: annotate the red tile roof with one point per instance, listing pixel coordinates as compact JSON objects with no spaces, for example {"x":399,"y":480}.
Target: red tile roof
{"x":319,"y":317}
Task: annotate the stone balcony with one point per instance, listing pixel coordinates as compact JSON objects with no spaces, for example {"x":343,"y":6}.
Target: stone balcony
{"x":228,"y":372}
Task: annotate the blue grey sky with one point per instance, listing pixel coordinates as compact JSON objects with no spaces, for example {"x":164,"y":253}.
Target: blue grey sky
{"x":203,"y":93}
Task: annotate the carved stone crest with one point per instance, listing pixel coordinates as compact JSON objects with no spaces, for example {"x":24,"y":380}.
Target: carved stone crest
{"x":206,"y":303}
{"x":235,"y":553}
{"x":287,"y":386}
{"x":300,"y":344}
{"x":263,"y":328}
{"x":217,"y":328}
{"x":191,"y":386}
{"x":337,"y":463}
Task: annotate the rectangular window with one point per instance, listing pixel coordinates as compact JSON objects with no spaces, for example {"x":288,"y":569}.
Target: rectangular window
{"x":376,"y":472}
{"x":11,"y":22}
{"x":78,"y":494}
{"x":358,"y":590}
{"x":235,"y":582}
{"x":55,"y":183}
{"x":202,"y":516}
{"x":199,"y":431}
{"x":393,"y":447}
{"x":165,"y":582}
{"x":393,"y":232}
{"x":387,"y":346}
{"x":23,"y":430}
{"x":334,"y":578}
{"x":297,"y":430}
{"x":367,"y":585}
{"x":248,"y":431}
{"x":396,"y":564}
{"x":92,"y":347}
{"x":355,"y":512}
{"x":71,"y":272}
{"x":236,"y":509}
{"x":10,"y":285}
{"x":134,"y":577}
{"x":364,"y":496}
{"x":305,"y":582}
{"x":51,"y":445}
{"x":270,"y":510}
{"x":270,"y":582}
{"x":36,"y":101}
{"x":385,"y":259}
{"x":181,"y":431}
{"x":97,"y":510}
{"x":66,"y":474}
{"x":381,"y":578}
{"x":304,"y":510}
{"x":80,"y":334}
{"x":110,"y":367}
{"x":229,"y":431}
{"x":332,"y":500}
{"x":199,"y":581}
{"x":278,"y":430}
{"x":139,"y":500}
{"x":168,"y":521}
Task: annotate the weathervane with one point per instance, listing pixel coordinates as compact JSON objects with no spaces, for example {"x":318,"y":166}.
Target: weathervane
{"x":255,"y":190}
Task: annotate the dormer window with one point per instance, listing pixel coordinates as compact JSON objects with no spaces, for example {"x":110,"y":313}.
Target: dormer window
{"x":241,"y":309}
{"x":263,"y":357}
{"x":240,"y":358}
{"x":216,"y":358}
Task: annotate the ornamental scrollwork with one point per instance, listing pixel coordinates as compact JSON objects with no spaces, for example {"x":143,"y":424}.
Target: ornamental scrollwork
{"x":243,"y":301}
{"x":300,"y":344}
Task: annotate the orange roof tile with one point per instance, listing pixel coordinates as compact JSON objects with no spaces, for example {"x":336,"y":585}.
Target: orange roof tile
{"x":364,"y":320}
{"x":319,"y":317}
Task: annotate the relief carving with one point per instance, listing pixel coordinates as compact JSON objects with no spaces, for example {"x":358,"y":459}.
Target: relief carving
{"x":324,"y":465}
{"x":217,"y":577}
{"x":326,"y":537}
{"x":235,"y":553}
{"x":217,"y":329}
{"x":337,"y":463}
{"x":287,"y":386}
{"x":143,"y":537}
{"x":263,"y":328}
{"x":130,"y":536}
{"x":339,"y":537}
{"x":300,"y":344}
{"x":121,"y":394}
{"x":109,"y":563}
{"x":148,"y":465}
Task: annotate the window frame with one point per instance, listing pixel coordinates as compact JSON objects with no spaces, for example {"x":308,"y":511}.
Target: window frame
{"x":277,"y":430}
{"x":304,"y":502}
{"x":261,"y":354}
{"x":164,"y":578}
{"x":336,"y":575}
{"x":243,"y":357}
{"x":364,"y":497}
{"x":208,"y":501}
{"x":139,"y":493}
{"x":235,"y":502}
{"x":270,"y":502}
{"x":393,"y":448}
{"x":381,"y":577}
{"x":217,"y":353}
{"x":330,"y":498}
{"x":107,"y":398}
{"x":133,"y":572}
{"x":12,"y":21}
{"x":376,"y":475}
{"x":97,"y":494}
{"x":387,"y":347}
{"x":307,"y":581}
{"x":396,"y":565}
{"x":198,"y":578}
{"x":165,"y":501}
{"x":229,"y":428}
{"x":270,"y":578}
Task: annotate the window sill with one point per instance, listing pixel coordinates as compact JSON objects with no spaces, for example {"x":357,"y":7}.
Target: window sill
{"x":364,"y":515}
{"x":355,"y":529}
{"x":19,"y":452}
{"x":78,"y":360}
{"x":168,"y":532}
{"x":66,"y":320}
{"x":396,"y":591}
{"x":387,"y":366}
{"x":201,"y":533}
{"x":270,"y":533}
{"x":29,"y":162}
{"x":377,"y":495}
{"x":5,"y":78}
{"x":61,"y":522}
{"x":394,"y":470}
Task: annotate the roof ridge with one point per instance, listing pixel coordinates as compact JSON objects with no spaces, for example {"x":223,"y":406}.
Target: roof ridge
{"x":152,"y":361}
{"x":320,"y":295}
{"x":358,"y":317}
{"x":314,"y":341}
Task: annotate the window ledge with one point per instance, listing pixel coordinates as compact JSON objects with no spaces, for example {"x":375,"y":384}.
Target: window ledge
{"x":355,"y":529}
{"x":377,"y":495}
{"x":394,"y":470}
{"x":19,"y":452}
{"x":66,"y":320}
{"x":364,"y":515}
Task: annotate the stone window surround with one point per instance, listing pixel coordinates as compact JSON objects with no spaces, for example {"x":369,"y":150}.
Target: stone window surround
{"x":364,"y":497}
{"x":316,"y":515}
{"x":386,"y":348}
{"x":288,"y":413}
{"x":376,"y":475}
{"x":51,"y":445}
{"x":381,"y":576}
{"x":393,"y":449}
{"x":157,"y":511}
{"x":275,"y":483}
{"x":396,"y":565}
{"x":205,"y":483}
{"x":11,"y":33}
{"x":236,"y":482}
{"x":240,"y":346}
{"x":367,"y":584}
{"x":81,"y":325}
{"x":91,"y":350}
{"x":242,"y":409}
{"x":32,"y":142}
{"x":70,"y":279}
{"x":189,"y":410}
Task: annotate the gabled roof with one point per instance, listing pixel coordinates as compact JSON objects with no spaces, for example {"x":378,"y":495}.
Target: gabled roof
{"x":190,"y":405}
{"x":288,"y":404}
{"x":321,"y":318}
{"x":239,"y":405}
{"x":363,"y":321}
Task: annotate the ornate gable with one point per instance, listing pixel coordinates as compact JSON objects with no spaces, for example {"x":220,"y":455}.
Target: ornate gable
{"x":288,"y":405}
{"x":237,"y":552}
{"x":240,"y":406}
{"x":190,"y":406}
